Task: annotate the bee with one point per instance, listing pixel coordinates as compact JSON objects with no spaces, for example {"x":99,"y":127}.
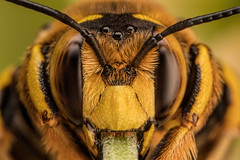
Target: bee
{"x":118,"y":80}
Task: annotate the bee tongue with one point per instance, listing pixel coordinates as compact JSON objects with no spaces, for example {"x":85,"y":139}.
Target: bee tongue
{"x":120,"y":147}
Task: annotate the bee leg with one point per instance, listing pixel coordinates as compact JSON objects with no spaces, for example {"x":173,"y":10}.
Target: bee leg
{"x":6,"y":136}
{"x":19,"y":139}
{"x":179,"y":141}
{"x":205,"y":92}
{"x":38,"y":101}
{"x":6,"y":140}
{"x":229,"y":127}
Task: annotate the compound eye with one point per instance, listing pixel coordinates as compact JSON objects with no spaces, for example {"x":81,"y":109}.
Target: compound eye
{"x":167,"y":83}
{"x":67,"y":82}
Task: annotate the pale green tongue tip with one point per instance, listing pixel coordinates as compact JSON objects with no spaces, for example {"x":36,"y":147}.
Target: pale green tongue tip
{"x":120,"y":148}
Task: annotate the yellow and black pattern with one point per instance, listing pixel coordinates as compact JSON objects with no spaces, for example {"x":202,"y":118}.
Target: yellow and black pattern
{"x":63,"y":103}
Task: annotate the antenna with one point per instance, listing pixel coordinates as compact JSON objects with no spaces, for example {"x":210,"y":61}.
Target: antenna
{"x":152,"y":41}
{"x":90,"y":38}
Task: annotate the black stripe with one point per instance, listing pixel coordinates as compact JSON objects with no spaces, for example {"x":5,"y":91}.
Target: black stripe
{"x":194,"y":81}
{"x":195,"y":89}
{"x":45,"y":87}
{"x":223,"y":105}
{"x":118,"y":22}
{"x":218,"y":113}
{"x":45,"y":48}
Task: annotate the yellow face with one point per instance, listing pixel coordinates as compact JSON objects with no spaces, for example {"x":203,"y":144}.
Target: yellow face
{"x":118,"y":103}
{"x":122,"y":103}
